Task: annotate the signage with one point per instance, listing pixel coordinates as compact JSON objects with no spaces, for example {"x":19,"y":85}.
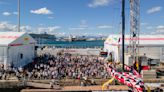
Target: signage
{"x":26,"y":40}
{"x":11,"y":37}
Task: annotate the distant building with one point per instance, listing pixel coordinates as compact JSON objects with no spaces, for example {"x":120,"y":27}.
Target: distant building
{"x":75,"y":38}
{"x":43,"y":38}
{"x":16,"y":48}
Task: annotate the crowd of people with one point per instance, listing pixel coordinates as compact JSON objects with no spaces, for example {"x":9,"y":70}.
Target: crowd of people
{"x":5,"y":74}
{"x":68,"y":66}
{"x":48,"y":66}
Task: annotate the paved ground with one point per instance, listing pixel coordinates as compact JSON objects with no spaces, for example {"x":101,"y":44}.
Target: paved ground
{"x":79,"y":88}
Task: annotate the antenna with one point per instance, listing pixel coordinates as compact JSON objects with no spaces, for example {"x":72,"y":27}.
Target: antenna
{"x":18,"y":15}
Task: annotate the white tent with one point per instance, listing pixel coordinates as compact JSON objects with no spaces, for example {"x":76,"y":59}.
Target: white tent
{"x":151,"y":45}
{"x":16,"y":48}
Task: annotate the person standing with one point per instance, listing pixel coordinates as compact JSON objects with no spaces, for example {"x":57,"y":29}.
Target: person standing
{"x":52,"y":84}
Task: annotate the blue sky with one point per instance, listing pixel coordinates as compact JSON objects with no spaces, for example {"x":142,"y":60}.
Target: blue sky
{"x":78,"y":17}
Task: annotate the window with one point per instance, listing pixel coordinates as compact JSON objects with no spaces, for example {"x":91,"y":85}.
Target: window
{"x":21,"y":56}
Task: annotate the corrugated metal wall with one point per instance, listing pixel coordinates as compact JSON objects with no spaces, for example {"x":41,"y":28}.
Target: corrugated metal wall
{"x":15,"y":54}
{"x":3,"y":53}
{"x":151,"y":52}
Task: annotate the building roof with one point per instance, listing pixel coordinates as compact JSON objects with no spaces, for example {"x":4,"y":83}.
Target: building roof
{"x":9,"y":38}
{"x":143,"y":39}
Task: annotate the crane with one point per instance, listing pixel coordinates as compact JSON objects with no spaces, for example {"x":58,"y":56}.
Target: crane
{"x":134,"y":30}
{"x":131,"y":78}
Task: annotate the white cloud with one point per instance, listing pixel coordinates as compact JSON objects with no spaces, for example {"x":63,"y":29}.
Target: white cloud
{"x":154,"y":9}
{"x":104,"y":27}
{"x":50,"y":17}
{"x":15,"y":13}
{"x":9,"y":13}
{"x":83,"y":26}
{"x":25,"y":28}
{"x":60,"y":34}
{"x":77,"y":28}
{"x":43,"y":11}
{"x":149,"y":27}
{"x":48,"y":29}
{"x":6,"y":13}
{"x":96,"y":3}
{"x":144,"y":24}
{"x":160,"y":29}
{"x":5,"y":26}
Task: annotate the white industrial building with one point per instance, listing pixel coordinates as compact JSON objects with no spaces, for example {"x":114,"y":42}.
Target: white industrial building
{"x":16,"y":48}
{"x":152,"y":46}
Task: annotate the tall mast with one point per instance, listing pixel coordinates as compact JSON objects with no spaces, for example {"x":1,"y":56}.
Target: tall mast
{"x":123,"y":31}
{"x":18,"y":15}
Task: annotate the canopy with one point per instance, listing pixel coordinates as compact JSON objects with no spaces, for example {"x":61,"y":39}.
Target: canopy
{"x":143,"y":40}
{"x":15,"y":38}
